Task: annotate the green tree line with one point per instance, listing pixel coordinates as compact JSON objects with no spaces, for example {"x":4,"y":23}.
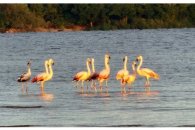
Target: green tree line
{"x":97,"y":16}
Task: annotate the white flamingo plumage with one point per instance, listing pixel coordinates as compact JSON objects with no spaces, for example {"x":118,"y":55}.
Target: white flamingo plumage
{"x":25,"y":77}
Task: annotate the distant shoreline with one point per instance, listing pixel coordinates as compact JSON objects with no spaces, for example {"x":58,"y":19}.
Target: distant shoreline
{"x":14,"y":30}
{"x":42,"y":29}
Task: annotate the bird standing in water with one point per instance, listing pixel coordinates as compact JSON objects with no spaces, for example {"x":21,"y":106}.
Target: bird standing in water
{"x":25,"y":77}
{"x":146,"y":72}
{"x":45,"y":76}
{"x":83,"y":75}
{"x":122,"y":74}
{"x":93,"y":75}
{"x":130,"y":79}
{"x":104,"y":75}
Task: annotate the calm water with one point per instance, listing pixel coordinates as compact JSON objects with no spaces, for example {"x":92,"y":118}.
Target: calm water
{"x":168,"y":52}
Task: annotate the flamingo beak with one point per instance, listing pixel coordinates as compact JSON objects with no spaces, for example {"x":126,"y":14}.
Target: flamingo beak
{"x":123,"y":59}
{"x":29,"y":63}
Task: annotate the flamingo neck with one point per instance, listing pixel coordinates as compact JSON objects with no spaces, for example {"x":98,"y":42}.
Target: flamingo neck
{"x":133,"y":68}
{"x":29,"y":71}
{"x":46,"y":67}
{"x":105,"y":62}
{"x":140,"y":64}
{"x":93,"y":67}
{"x":88,"y":69}
{"x":50,"y":70}
{"x":125,"y":64}
{"x":107,"y":67}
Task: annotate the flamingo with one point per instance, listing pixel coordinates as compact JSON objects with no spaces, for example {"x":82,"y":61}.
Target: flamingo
{"x":83,"y":75}
{"x":25,"y":76}
{"x":93,"y":75}
{"x":130,"y":79}
{"x":146,"y":72}
{"x":105,"y":73}
{"x":50,"y":63}
{"x":123,"y":72}
{"x":45,"y":76}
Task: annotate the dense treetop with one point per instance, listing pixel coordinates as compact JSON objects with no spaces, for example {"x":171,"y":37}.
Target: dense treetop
{"x":97,"y":16}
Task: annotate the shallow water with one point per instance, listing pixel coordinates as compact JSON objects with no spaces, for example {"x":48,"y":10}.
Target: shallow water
{"x":170,"y":52}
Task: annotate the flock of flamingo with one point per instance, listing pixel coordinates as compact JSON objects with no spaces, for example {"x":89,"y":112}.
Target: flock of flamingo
{"x":92,"y":76}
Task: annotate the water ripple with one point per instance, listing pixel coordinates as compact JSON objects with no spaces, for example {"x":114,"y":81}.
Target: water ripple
{"x":21,"y":107}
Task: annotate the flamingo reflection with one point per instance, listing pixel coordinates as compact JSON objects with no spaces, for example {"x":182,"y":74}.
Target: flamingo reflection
{"x":46,"y":96}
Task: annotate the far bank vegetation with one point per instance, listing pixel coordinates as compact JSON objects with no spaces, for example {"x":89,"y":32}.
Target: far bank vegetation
{"x":73,"y":17}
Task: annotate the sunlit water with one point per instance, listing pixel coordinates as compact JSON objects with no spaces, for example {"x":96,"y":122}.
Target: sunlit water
{"x":170,"y":52}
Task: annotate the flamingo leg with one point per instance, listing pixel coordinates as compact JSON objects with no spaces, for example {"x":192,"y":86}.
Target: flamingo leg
{"x":148,"y":90}
{"x":94,"y":85}
{"x":121,"y":86}
{"x":26,"y":88}
{"x":88,"y":82}
{"x":91,"y":85}
{"x":129,"y":87}
{"x":22,"y":88}
{"x":107,"y":86}
{"x":42,"y":86}
{"x":100,"y":84}
{"x":87,"y":87}
{"x":124,"y":88}
{"x":148,"y":83}
{"x":77,"y":84}
{"x":148,"y":87}
{"x":82,"y":86}
{"x":145,"y":87}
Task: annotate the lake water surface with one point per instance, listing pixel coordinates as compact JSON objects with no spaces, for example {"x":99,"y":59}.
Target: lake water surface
{"x":169,"y":52}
